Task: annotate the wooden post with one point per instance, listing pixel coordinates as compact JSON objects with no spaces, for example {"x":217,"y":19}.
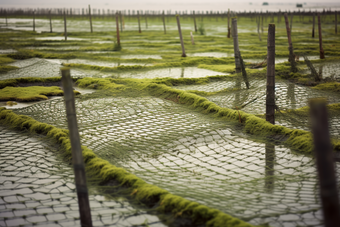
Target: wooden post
{"x":139,"y":29}
{"x":325,"y":162}
{"x":146,"y":20}
{"x":192,"y":39}
{"x":90,"y":18}
{"x":270,"y":99}
{"x":180,"y":35}
{"x":49,"y":12}
{"x":336,"y":22}
{"x":117,"y":29}
{"x":65,"y":27}
{"x":322,"y":53}
{"x":77,"y":158}
{"x":193,"y":14}
{"x":34,"y":20}
{"x":6,"y":18}
{"x":236,"y":47}
{"x":228,"y":23}
{"x":290,"y":46}
{"x":163,"y":17}
{"x":313,"y":30}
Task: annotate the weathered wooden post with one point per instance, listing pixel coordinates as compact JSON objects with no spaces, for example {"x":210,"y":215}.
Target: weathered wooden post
{"x":65,"y":27}
{"x":77,"y":158}
{"x":50,"y":16}
{"x":322,"y":53}
{"x":192,"y":39}
{"x":325,"y":162}
{"x":139,"y":29}
{"x":117,"y":29}
{"x":90,"y":18}
{"x":193,"y":14}
{"x":236,"y":46}
{"x":180,"y":35}
{"x":228,"y":23}
{"x":163,"y":18}
{"x":290,"y":47}
{"x":336,"y":22}
{"x":270,"y":98}
{"x":6,"y":18}
{"x":34,"y":20}
{"x":313,"y":30}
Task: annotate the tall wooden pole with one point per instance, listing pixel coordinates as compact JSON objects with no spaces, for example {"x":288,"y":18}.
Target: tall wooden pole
{"x":322,"y":53}
{"x":163,"y":18}
{"x":65,"y":26}
{"x":325,"y":163}
{"x":49,"y":12}
{"x":290,"y":46}
{"x":90,"y":18}
{"x":228,"y":23}
{"x":180,"y":35}
{"x":193,"y":14}
{"x":77,"y":158}
{"x":313,"y":30}
{"x":139,"y":29}
{"x":270,"y":98}
{"x":336,"y":22}
{"x":117,"y":29}
{"x":34,"y":20}
{"x":236,"y":46}
{"x":6,"y":18}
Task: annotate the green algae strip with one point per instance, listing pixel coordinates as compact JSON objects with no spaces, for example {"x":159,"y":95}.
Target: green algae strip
{"x":330,"y":86}
{"x":297,"y":139}
{"x":142,"y":191}
{"x":29,"y":94}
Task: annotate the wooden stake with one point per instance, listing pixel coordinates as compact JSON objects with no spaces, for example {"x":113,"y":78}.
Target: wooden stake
{"x":313,"y":30}
{"x":180,"y":35}
{"x":336,"y":22}
{"x":139,"y":29}
{"x":236,"y":47}
{"x":117,"y":29}
{"x":322,"y":53}
{"x":228,"y":23}
{"x":290,"y":46}
{"x":49,"y":12}
{"x":270,"y":99}
{"x":193,"y":14}
{"x":6,"y":18}
{"x":77,"y":158}
{"x":65,"y":27}
{"x":90,"y":18}
{"x":146,"y":20}
{"x":163,"y":17}
{"x":34,"y":20}
{"x":325,"y":162}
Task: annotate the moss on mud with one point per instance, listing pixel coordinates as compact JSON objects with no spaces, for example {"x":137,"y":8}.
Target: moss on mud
{"x":30,"y":94}
{"x":105,"y":171}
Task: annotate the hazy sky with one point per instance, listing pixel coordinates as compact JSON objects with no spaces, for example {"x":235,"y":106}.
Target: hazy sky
{"x":158,"y":4}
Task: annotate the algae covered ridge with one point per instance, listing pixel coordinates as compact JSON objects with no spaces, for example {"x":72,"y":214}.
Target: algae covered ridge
{"x":181,"y":138}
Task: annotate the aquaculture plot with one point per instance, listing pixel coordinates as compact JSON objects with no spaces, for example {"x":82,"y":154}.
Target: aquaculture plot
{"x":196,"y":157}
{"x":37,"y":188}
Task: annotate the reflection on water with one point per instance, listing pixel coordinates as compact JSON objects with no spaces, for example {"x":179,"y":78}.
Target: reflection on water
{"x":182,"y":72}
{"x":291,"y":94}
{"x":269,"y":168}
{"x":320,"y":71}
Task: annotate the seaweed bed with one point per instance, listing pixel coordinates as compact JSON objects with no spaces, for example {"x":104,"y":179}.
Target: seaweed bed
{"x":181,"y":135}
